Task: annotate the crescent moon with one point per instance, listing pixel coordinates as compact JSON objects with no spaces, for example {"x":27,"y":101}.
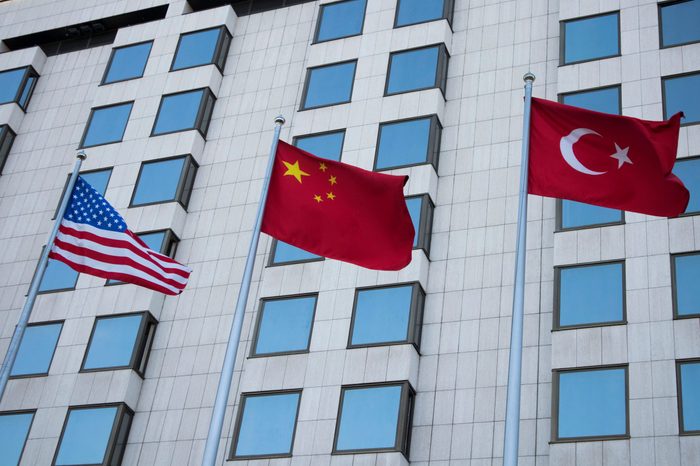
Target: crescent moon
{"x":566,"y":146}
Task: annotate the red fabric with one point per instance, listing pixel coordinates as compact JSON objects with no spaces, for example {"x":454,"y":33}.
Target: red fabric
{"x":645,"y":185}
{"x":361,"y":218}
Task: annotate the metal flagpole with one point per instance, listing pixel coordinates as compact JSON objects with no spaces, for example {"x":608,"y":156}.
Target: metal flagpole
{"x":36,"y":281}
{"x":512,"y":430}
{"x":217,"y":416}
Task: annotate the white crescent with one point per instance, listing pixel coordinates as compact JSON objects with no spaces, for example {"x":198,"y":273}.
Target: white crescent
{"x":566,"y":146}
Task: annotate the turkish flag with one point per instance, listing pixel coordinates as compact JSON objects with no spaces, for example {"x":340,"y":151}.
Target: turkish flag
{"x":605,"y":160}
{"x":338,"y":211}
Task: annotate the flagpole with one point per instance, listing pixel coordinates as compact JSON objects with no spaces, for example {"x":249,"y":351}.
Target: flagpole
{"x":21,"y":326}
{"x":217,"y":416}
{"x":512,"y":428}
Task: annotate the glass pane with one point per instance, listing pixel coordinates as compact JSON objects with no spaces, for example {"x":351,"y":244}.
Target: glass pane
{"x":404,"y":143}
{"x":153,"y":240}
{"x":58,"y":276}
{"x":267,"y":425}
{"x":382,"y":315}
{"x":158,"y":181}
{"x":591,"y":38}
{"x":196,"y":49}
{"x":690,"y":381}
{"x":369,"y":418}
{"x":178,"y":112}
{"x":413,"y":70}
{"x":86,"y":436}
{"x":414,"y":205}
{"x":687,"y":290}
{"x":689,"y":173}
{"x":591,"y":294}
{"x":26,"y":91}
{"x":329,"y":145}
{"x":285,"y":252}
{"x":592,"y":403}
{"x":285,"y":325}
{"x":98,"y":179}
{"x":418,"y":11}
{"x":14,"y":429}
{"x":577,"y":214}
{"x":107,"y":125}
{"x":9,"y":84}
{"x":683,"y":95}
{"x":600,"y":100}
{"x":36,"y":349}
{"x":128,"y":62}
{"x":329,"y":85}
{"x":679,"y":23}
{"x":341,"y":19}
{"x":112,"y":342}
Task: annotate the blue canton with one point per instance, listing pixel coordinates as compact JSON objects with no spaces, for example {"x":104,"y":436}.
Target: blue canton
{"x":88,"y":206}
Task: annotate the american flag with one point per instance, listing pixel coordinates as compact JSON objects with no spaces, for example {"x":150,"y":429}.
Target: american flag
{"x":93,"y":238}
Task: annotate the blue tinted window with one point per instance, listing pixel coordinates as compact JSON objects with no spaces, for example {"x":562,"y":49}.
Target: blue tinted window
{"x":27,"y":91}
{"x":328,"y":145}
{"x":197,"y":48}
{"x":285,"y":252}
{"x":158,"y":181}
{"x":178,"y":112}
{"x":592,"y":403}
{"x":58,"y":276}
{"x":682,"y":94}
{"x":419,"y":11}
{"x":14,"y":429}
{"x":128,"y":62}
{"x":403,"y":143}
{"x":606,"y":100}
{"x":107,"y":125}
{"x":591,"y":38}
{"x":414,"y":205}
{"x":591,"y":294}
{"x":267,"y":425}
{"x":329,"y":85}
{"x":285,"y":325}
{"x":10,"y":81}
{"x":369,"y":418}
{"x":689,"y":173}
{"x":341,"y":19}
{"x":98,"y":179}
{"x":690,"y":396}
{"x":36,"y":349}
{"x":113,"y":341}
{"x":382,"y":315}
{"x":413,"y":70}
{"x":154,"y":240}
{"x":679,"y":23}
{"x":86,"y":436}
{"x":687,"y":292}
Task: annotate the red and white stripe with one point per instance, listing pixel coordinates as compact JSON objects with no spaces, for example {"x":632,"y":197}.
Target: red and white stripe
{"x":119,"y":256}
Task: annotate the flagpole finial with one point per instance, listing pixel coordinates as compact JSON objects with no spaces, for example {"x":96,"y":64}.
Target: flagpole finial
{"x":529,"y":77}
{"x":279,"y":120}
{"x":81,"y":155}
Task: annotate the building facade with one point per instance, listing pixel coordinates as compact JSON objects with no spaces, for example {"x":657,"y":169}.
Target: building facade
{"x":174,"y":103}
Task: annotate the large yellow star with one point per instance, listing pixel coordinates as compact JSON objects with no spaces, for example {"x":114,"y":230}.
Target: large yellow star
{"x":294,"y":170}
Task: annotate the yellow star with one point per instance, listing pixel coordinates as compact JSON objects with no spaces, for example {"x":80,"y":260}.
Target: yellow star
{"x":323,"y":167}
{"x":330,"y":196}
{"x":318,"y":198}
{"x":294,"y":170}
{"x":332,"y":180}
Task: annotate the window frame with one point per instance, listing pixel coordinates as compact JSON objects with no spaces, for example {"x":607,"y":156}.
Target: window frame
{"x":141,"y":351}
{"x":89,"y":122}
{"x":317,"y":27}
{"x":674,"y":286}
{"x":29,"y":430}
{"x":443,"y":62}
{"x":664,"y":100}
{"x":299,"y":137}
{"x":239,"y":419}
{"x":258,"y":321}
{"x":199,"y":118}
{"x":82,"y":172}
{"x":434,"y":140}
{"x":679,"y":398}
{"x":53,"y":353}
{"x":310,"y":70}
{"x":56,"y":290}
{"x":404,"y":420}
{"x":562,"y":36}
{"x":425,"y":222}
{"x":682,"y":159}
{"x":271,"y":260}
{"x":111,"y":58}
{"x":191,"y":165}
{"x":6,"y":133}
{"x":556,"y":373}
{"x":448,"y":8}
{"x":618,"y":87}
{"x":123,"y":410}
{"x":559,"y":228}
{"x":223,"y":44}
{"x":29,"y":72}
{"x":660,"y":6}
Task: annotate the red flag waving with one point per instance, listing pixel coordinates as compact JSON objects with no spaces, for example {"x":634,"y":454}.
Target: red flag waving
{"x":338,"y":211}
{"x":606,"y":160}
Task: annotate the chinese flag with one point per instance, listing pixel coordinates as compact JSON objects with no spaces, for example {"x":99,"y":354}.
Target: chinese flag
{"x":338,"y":211}
{"x":606,"y":160}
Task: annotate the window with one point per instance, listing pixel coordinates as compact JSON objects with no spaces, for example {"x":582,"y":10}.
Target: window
{"x":14,"y":429}
{"x":165,"y":180}
{"x":678,"y":22}
{"x":7,"y":137}
{"x":328,"y":85}
{"x":266,"y":425}
{"x":417,"y":69}
{"x":340,"y":19}
{"x":688,"y":377}
{"x":17,"y":86}
{"x":682,"y":94}
{"x":106,"y":125}
{"x":120,"y":342}
{"x":604,"y":99}
{"x":206,"y":47}
{"x":184,"y":111}
{"x":36,"y":349}
{"x":98,"y":179}
{"x":374,"y":418}
{"x":420,"y":208}
{"x":685,"y":270}
{"x":590,"y":295}
{"x":590,"y":403}
{"x":590,"y":38}
{"x":162,"y":241}
{"x":420,"y":11}
{"x":94,"y":435}
{"x":688,"y":170}
{"x":387,"y":315}
{"x":408,"y":142}
{"x":127,"y":62}
{"x":284,"y":325}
